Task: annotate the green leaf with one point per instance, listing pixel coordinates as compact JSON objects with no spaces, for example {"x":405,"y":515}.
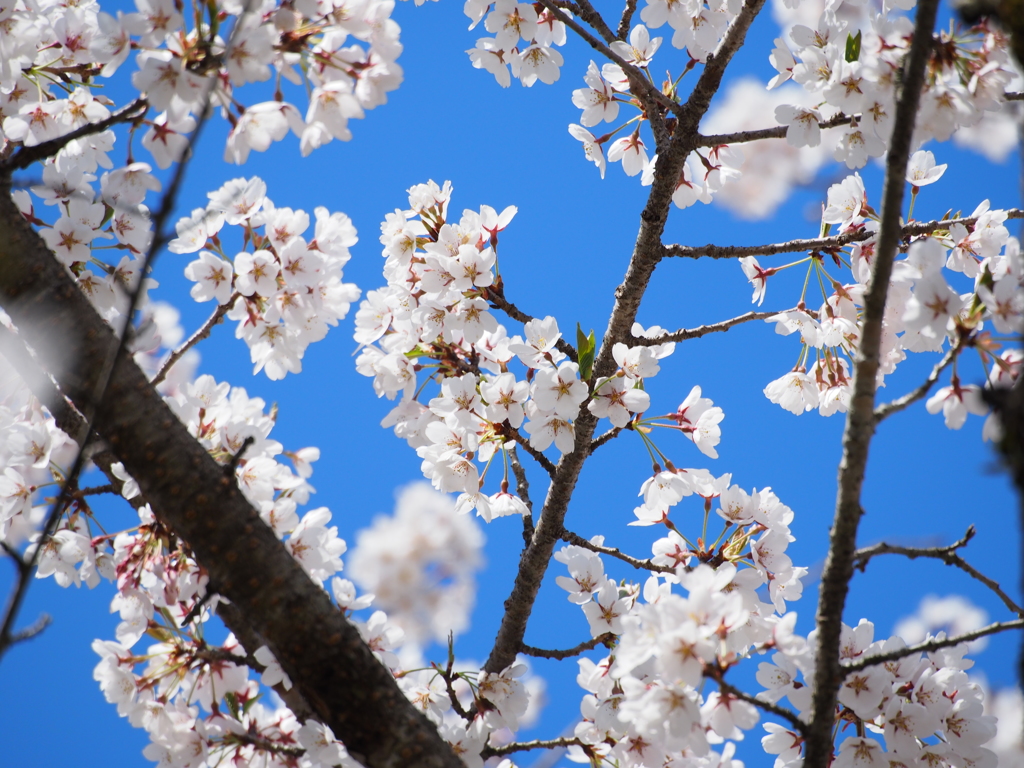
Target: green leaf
{"x":232,"y":701}
{"x":853,"y":47}
{"x":585,"y":348}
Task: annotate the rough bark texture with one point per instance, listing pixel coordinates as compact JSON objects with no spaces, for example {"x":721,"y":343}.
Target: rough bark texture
{"x":331,"y":666}
{"x":860,"y":421}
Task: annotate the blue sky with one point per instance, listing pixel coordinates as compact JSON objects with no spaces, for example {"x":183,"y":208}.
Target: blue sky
{"x":563,"y":255}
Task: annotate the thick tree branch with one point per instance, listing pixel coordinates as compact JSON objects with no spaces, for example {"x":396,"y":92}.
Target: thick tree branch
{"x":860,"y":421}
{"x":647,"y":252}
{"x":587,"y":645}
{"x":931,"y":645}
{"x":948,"y":555}
{"x":323,"y":654}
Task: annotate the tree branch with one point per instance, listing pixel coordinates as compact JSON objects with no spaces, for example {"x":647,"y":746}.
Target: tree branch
{"x":323,"y":654}
{"x":523,"y":746}
{"x":25,"y":156}
{"x":204,"y":332}
{"x":860,"y":422}
{"x":498,"y":301}
{"x":546,"y":464}
{"x":778,"y":132}
{"x":819,"y":243}
{"x":786,"y":714}
{"x":627,"y":17}
{"x":647,"y":565}
{"x":948,"y":555}
{"x":886,"y":410}
{"x":694,"y":333}
{"x":647,"y":251}
{"x":588,"y":645}
{"x":611,"y":434}
{"x":930,"y":645}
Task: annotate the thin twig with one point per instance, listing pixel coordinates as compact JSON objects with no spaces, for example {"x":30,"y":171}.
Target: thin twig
{"x":786,"y":714}
{"x":931,"y":645}
{"x":647,"y":565}
{"x":498,"y":301}
{"x":523,"y":492}
{"x":694,"y":333}
{"x":778,"y":132}
{"x":96,"y":490}
{"x":895,"y":406}
{"x":819,"y":243}
{"x":636,"y":78}
{"x":611,"y":434}
{"x":948,"y":555}
{"x":25,"y":156}
{"x":215,"y":319}
{"x":539,"y":457}
{"x":588,"y":645}
{"x":523,"y":746}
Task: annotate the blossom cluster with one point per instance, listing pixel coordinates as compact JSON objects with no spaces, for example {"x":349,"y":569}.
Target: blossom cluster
{"x":847,"y":64}
{"x":286,"y":291}
{"x":182,"y":69}
{"x":924,"y":312}
{"x":434,"y":316}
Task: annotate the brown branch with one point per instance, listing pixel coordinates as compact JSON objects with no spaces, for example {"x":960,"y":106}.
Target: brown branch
{"x":627,"y":17}
{"x":322,"y":653}
{"x":611,"y":434}
{"x":523,"y":492}
{"x":647,"y":565}
{"x":25,"y":156}
{"x":204,"y":332}
{"x":523,"y":746}
{"x":948,"y":555}
{"x":786,"y":714}
{"x":819,"y":243}
{"x":647,"y":251}
{"x":886,"y":410}
{"x":537,"y":456}
{"x":606,"y":640}
{"x":498,"y":301}
{"x":694,"y":333}
{"x":778,"y":132}
{"x":860,"y":421}
{"x":930,"y":645}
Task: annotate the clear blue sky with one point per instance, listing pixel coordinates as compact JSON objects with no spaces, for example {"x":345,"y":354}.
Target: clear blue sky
{"x":563,"y":255}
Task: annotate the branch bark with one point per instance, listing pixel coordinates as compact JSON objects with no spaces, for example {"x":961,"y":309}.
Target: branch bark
{"x":860,"y":422}
{"x":322,"y":653}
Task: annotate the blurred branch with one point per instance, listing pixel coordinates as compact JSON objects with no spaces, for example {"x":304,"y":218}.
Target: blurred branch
{"x":523,"y":746}
{"x":606,"y":639}
{"x":786,"y":714}
{"x":25,"y":156}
